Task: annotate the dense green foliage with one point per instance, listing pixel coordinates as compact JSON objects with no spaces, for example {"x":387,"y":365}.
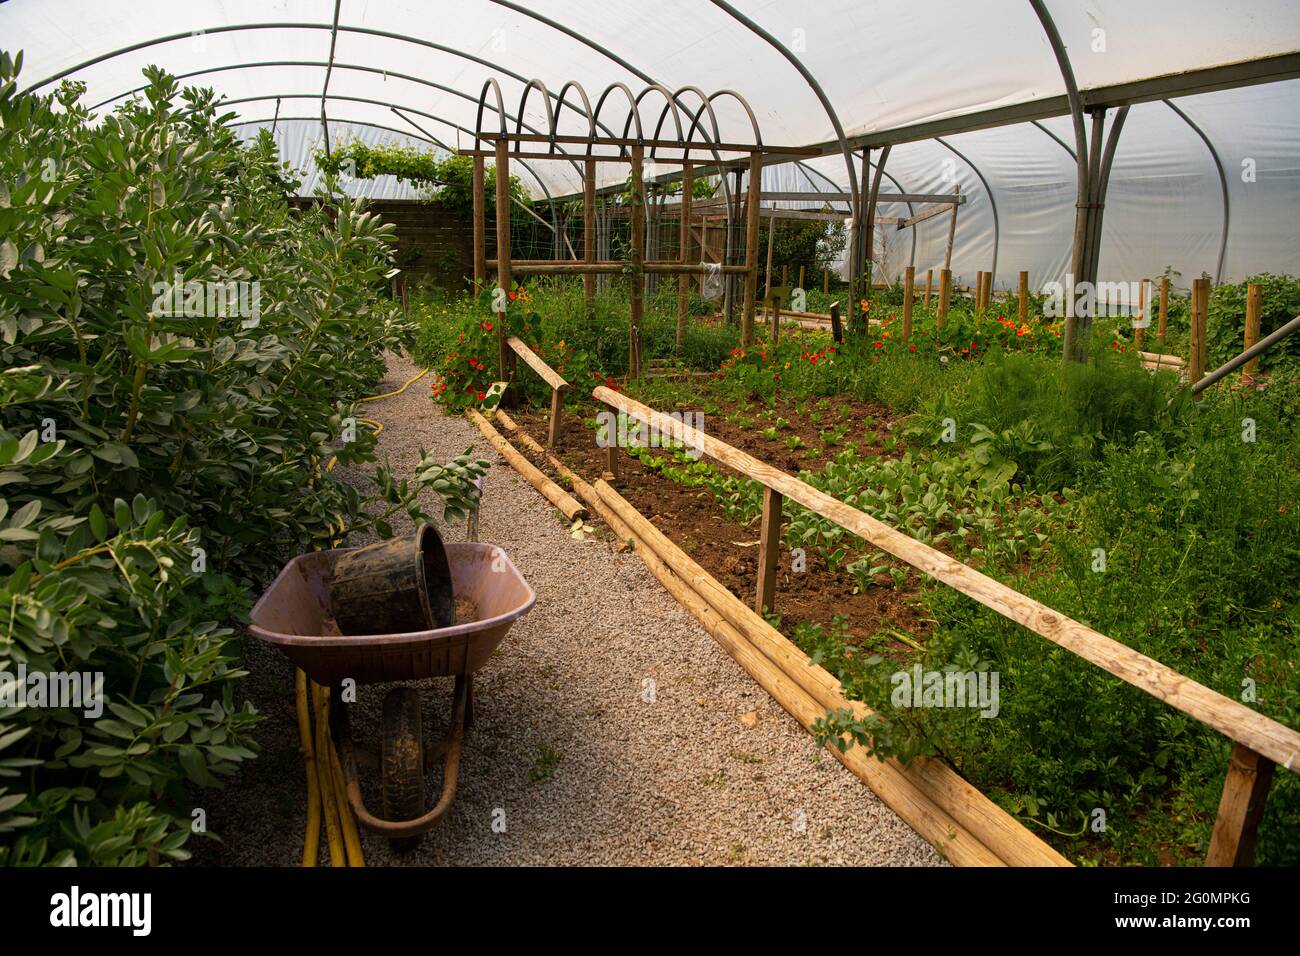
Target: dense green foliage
{"x":157,"y":462}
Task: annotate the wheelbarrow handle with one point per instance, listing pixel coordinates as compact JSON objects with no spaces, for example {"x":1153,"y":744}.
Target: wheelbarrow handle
{"x":450,"y":772}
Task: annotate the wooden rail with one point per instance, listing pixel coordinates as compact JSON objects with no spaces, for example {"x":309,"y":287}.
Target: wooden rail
{"x":1256,"y":733}
{"x":552,"y":378}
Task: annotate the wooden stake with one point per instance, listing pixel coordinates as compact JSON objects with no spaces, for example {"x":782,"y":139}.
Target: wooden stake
{"x":909,"y":293}
{"x":1196,"y":343}
{"x":769,"y":550}
{"x":837,"y":330}
{"x":1024,"y":296}
{"x":1245,"y":790}
{"x":480,"y":227}
{"x":1254,"y":305}
{"x":826,"y":281}
{"x":945,"y":292}
{"x":929,"y":282}
{"x":801,"y":285}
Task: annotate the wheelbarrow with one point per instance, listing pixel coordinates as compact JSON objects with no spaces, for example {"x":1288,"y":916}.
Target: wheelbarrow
{"x":295,"y":614}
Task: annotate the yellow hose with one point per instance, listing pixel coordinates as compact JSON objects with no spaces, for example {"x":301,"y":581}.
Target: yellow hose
{"x":324,"y":772}
{"x":375,"y":398}
{"x":351,"y":836}
{"x":311,"y":845}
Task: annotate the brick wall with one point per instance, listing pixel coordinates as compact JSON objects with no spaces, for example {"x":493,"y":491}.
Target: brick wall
{"x":431,"y":242}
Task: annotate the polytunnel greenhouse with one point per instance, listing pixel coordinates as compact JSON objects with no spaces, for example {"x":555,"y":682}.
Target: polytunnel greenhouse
{"x":647,"y":434}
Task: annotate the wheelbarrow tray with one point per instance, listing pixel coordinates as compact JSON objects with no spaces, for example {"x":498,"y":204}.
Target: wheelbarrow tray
{"x":295,"y":615}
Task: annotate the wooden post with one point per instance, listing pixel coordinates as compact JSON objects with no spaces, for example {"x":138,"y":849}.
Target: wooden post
{"x":929,"y":283}
{"x":837,"y":330}
{"x":1245,"y":790}
{"x":945,"y":292}
{"x":1254,"y":305}
{"x":979,"y":291}
{"x":480,"y":228}
{"x":1024,"y":296}
{"x":589,"y":234}
{"x":826,"y":281}
{"x":1196,"y":349}
{"x":909,"y":280}
{"x":1139,"y":333}
{"x":769,"y":549}
{"x":503,"y":254}
{"x":557,"y":406}
{"x":752,"y":195}
{"x":684,"y":251}
{"x":952,"y":234}
{"x":785,"y":275}
{"x":801,"y":285}
{"x":637,"y":230}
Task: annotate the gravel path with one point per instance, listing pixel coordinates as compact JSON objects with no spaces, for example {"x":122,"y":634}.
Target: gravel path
{"x":570,"y":750}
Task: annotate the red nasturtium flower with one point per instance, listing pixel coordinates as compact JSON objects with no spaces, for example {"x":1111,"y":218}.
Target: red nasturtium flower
{"x":487,"y":326}
{"x":480,"y":396}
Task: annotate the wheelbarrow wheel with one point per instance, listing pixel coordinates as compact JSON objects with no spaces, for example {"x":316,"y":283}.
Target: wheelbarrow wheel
{"x":402,"y":761}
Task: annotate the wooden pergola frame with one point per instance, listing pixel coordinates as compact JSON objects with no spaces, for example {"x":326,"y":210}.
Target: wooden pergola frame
{"x":682,"y":150}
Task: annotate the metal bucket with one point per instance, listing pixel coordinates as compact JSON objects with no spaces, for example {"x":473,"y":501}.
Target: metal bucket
{"x":394,"y":587}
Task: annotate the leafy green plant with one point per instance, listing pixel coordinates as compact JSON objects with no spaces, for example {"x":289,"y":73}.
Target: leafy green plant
{"x":158,"y":462}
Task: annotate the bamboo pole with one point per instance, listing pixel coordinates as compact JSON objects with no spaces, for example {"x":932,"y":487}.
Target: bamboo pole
{"x":909,"y":293}
{"x":924,"y":788}
{"x":684,"y":251}
{"x":1254,"y":305}
{"x":752,"y":196}
{"x":952,"y":234}
{"x":945,"y":293}
{"x":480,"y":227}
{"x":552,"y":492}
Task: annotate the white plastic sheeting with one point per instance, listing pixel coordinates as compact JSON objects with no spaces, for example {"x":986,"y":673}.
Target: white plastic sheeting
{"x":884,"y":65}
